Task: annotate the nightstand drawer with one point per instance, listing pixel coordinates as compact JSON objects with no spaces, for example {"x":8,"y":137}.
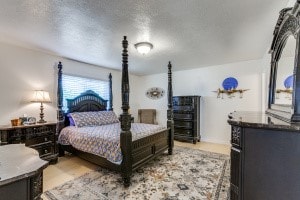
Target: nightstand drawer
{"x":39,"y":131}
{"x":183,"y":108}
{"x":183,"y":116}
{"x":15,"y":137}
{"x":44,"y":149}
{"x":16,"y":133}
{"x":183,"y":124}
{"x":39,"y":140}
{"x":181,"y":101}
{"x":184,"y":132}
{"x":17,"y":140}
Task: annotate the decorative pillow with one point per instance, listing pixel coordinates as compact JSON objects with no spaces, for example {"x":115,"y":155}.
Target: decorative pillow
{"x":94,"y":118}
{"x":72,"y":123}
{"x":108,"y":117}
{"x":85,"y":119}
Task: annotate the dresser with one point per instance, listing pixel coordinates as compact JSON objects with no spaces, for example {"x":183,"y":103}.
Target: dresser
{"x":265,"y":159}
{"x":187,"y":118}
{"x":21,"y":173}
{"x":41,"y":137}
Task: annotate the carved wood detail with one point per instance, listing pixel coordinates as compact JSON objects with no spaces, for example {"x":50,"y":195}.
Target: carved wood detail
{"x":149,"y":140}
{"x":37,"y":186}
{"x":280,"y":19}
{"x":87,"y":101}
{"x":236,"y":135}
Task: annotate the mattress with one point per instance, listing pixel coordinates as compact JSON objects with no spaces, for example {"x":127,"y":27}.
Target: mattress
{"x":104,"y":140}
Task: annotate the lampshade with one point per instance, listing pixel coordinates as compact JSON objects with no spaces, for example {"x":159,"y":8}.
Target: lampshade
{"x":143,"y":47}
{"x":41,"y":96}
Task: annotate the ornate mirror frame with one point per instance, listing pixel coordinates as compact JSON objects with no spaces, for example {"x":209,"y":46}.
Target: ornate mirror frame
{"x":288,"y":24}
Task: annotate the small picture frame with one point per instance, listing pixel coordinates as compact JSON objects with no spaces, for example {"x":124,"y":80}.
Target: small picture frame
{"x":27,"y":120}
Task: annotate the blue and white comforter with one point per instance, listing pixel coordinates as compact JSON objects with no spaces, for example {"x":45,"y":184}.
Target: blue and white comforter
{"x":104,"y":140}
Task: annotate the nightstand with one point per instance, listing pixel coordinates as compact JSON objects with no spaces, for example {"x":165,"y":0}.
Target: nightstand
{"x":41,"y":137}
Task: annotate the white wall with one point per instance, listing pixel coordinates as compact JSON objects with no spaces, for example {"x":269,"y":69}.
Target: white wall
{"x":23,"y":71}
{"x":203,"y":81}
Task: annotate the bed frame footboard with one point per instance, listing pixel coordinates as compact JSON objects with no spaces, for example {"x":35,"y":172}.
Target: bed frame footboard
{"x":145,"y":149}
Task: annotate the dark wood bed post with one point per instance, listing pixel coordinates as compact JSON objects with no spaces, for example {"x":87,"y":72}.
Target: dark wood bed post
{"x":110,"y":93}
{"x":126,"y":136}
{"x":170,"y":122}
{"x":60,"y":112}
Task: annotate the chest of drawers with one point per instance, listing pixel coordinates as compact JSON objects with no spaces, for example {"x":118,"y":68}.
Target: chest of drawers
{"x":41,"y":137}
{"x":187,"y":118}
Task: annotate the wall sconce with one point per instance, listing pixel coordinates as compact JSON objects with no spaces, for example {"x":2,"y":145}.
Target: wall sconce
{"x":288,"y":92}
{"x":288,"y":84}
{"x":143,"y":47}
{"x":41,"y":97}
{"x":230,"y":92}
{"x":230,"y":84}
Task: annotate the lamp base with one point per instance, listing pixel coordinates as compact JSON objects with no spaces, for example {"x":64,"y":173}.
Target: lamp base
{"x":41,"y":121}
{"x":41,"y":115}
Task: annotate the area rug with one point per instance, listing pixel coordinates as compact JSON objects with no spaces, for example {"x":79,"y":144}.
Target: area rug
{"x":187,"y":174}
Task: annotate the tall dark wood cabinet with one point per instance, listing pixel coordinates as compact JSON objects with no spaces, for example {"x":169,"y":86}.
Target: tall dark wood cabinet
{"x":187,"y":118}
{"x":41,"y":137}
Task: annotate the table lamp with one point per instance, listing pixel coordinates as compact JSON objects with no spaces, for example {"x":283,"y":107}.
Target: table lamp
{"x":42,"y":97}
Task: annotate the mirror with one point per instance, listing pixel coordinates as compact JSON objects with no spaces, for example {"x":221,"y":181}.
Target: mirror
{"x":284,"y":89}
{"x":284,"y":78}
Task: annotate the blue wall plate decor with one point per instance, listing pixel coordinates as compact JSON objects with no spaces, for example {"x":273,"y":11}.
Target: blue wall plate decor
{"x":288,"y":82}
{"x":230,"y":83}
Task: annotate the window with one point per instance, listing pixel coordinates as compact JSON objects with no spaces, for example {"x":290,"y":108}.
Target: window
{"x":74,"y":86}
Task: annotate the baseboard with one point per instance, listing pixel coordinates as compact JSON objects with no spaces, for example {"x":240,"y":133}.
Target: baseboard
{"x":215,"y":141}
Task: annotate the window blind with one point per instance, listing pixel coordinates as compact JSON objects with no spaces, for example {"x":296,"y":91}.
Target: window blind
{"x":74,"y":86}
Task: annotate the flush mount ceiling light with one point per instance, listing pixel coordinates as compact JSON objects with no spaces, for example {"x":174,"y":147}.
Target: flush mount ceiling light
{"x":143,"y":47}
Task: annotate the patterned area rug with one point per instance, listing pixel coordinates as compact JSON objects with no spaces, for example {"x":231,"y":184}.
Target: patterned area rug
{"x":187,"y":174}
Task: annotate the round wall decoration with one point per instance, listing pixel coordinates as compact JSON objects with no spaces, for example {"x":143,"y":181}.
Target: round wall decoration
{"x":288,"y":82}
{"x":230,"y":83}
{"x":155,"y":93}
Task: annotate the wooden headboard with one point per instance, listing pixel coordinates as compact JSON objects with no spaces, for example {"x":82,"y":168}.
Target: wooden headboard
{"x":87,"y":101}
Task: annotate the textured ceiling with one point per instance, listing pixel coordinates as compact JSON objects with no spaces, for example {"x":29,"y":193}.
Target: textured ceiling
{"x":190,"y":33}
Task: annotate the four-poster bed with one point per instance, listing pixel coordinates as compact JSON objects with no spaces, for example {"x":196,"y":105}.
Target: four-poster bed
{"x":135,"y":150}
